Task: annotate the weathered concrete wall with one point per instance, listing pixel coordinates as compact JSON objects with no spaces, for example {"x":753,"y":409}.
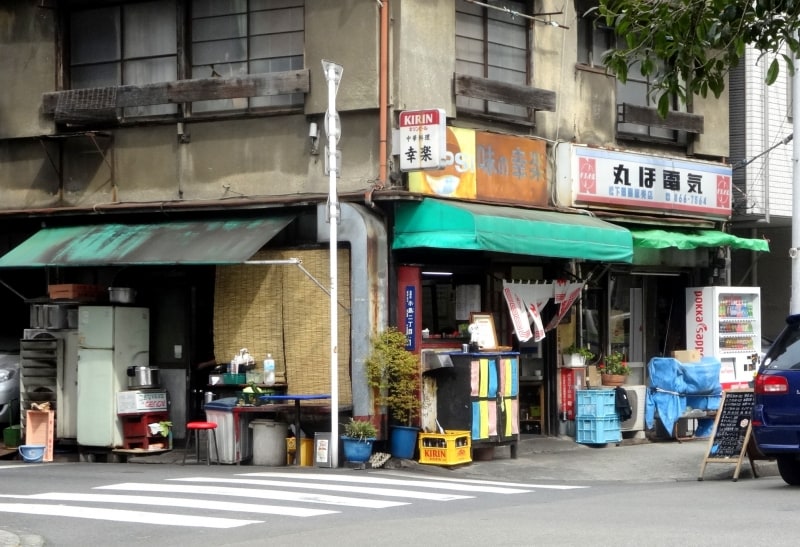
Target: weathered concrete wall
{"x":423,"y":52}
{"x":27,"y":63}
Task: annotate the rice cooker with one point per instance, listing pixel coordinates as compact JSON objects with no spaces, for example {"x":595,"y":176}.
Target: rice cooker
{"x":143,"y":376}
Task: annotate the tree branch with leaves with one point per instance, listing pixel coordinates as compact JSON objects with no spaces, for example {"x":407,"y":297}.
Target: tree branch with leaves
{"x":687,"y":47}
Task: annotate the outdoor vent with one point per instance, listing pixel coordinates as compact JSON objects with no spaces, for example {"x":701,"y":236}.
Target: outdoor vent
{"x":90,"y":105}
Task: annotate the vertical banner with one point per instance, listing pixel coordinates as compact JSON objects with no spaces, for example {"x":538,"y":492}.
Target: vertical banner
{"x":568,"y":393}
{"x":411,"y":317}
{"x":519,"y":317}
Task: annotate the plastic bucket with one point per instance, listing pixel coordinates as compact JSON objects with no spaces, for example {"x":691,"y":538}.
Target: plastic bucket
{"x":32,"y":453}
{"x":269,"y":447}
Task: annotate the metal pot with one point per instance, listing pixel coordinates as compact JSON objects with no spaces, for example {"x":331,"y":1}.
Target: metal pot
{"x":121,"y":295}
{"x":143,"y":376}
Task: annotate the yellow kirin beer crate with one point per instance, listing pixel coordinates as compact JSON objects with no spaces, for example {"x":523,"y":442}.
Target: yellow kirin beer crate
{"x":448,"y":448}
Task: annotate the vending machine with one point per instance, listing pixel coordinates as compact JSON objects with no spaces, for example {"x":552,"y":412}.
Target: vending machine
{"x":725,"y":322}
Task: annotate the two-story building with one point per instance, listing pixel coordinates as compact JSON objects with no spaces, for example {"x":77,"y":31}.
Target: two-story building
{"x":181,"y":148}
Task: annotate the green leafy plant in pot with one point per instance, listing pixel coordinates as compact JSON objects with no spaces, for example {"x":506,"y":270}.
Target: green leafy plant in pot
{"x":357,"y":439}
{"x":576,"y":356}
{"x":394,"y":374}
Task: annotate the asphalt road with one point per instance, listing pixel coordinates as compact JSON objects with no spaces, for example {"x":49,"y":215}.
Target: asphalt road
{"x":555,"y":493}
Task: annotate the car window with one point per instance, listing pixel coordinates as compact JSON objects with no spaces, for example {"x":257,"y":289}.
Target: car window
{"x":784,"y":354}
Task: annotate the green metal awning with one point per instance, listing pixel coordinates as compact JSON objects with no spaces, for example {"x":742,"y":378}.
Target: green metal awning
{"x":662,"y":239}
{"x":440,"y":224}
{"x":215,"y":241}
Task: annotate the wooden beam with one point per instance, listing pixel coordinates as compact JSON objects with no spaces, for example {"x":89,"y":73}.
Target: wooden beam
{"x":680,"y":121}
{"x":493,"y":90}
{"x":202,"y":89}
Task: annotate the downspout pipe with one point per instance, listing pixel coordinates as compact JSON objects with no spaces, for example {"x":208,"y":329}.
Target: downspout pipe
{"x":383,"y":95}
{"x":383,"y":103}
{"x":369,"y":266}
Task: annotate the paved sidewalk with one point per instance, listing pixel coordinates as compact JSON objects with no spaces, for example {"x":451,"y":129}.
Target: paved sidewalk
{"x":562,"y":459}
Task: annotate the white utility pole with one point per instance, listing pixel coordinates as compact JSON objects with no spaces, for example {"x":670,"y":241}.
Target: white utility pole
{"x":333,"y":75}
{"x":794,"y":303}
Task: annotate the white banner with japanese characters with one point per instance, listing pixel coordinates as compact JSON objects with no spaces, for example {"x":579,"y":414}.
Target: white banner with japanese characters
{"x":534,"y":298}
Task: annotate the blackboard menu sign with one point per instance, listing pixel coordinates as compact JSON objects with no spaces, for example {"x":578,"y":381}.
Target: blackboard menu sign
{"x":732,"y":427}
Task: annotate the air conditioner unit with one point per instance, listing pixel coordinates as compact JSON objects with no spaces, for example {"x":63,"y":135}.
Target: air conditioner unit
{"x":636,"y":398}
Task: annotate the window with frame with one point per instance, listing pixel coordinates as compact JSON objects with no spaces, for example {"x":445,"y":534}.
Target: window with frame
{"x":232,"y":38}
{"x":594,"y":39}
{"x":493,"y":44}
{"x":122,"y":45}
{"x":594,"y":36}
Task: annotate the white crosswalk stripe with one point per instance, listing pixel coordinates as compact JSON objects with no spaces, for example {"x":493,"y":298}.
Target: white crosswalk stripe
{"x":302,"y":495}
{"x":254,"y":493}
{"x":389,"y":492}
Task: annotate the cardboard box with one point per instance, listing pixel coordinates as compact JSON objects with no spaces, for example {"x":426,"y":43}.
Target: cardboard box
{"x":73,"y":291}
{"x":134,"y":402}
{"x":687,"y":355}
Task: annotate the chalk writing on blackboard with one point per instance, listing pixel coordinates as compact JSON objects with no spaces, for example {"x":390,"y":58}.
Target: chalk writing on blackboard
{"x":733,"y":423}
{"x":732,"y":428}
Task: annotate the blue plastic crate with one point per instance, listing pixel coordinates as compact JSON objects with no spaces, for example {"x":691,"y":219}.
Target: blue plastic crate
{"x":597,"y":430}
{"x":595,"y":403}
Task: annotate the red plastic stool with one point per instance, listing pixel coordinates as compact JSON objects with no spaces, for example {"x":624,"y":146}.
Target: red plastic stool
{"x":197,"y":427}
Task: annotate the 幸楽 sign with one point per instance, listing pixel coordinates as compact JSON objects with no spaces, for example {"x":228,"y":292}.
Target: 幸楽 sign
{"x":422,"y":139}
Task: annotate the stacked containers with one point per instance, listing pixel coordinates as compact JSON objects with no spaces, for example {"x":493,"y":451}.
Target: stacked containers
{"x":596,"y":418}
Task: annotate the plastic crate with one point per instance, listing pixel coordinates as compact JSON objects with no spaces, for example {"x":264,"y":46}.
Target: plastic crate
{"x":448,"y":448}
{"x":234,"y":379}
{"x":597,"y":430}
{"x":595,"y":403}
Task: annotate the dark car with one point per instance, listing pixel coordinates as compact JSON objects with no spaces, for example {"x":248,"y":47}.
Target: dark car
{"x":776,"y":410}
{"x":9,"y":387}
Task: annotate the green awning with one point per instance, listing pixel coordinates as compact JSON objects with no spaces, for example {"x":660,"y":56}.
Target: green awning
{"x":220,"y":241}
{"x":440,"y":224}
{"x":662,"y":239}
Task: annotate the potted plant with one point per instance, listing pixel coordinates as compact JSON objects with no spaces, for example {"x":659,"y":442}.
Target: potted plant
{"x":613,"y":369}
{"x":394,"y":374}
{"x":357,"y":439}
{"x":576,"y":356}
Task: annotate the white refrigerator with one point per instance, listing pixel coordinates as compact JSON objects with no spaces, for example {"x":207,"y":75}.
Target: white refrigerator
{"x":110,"y":339}
{"x":725,"y":322}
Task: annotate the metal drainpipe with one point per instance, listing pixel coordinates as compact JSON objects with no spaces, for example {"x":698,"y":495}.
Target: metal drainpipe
{"x":368,"y":288}
{"x":383,"y":100}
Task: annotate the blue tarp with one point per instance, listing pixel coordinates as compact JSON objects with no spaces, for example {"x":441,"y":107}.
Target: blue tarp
{"x":675,"y":387}
{"x":224,"y":404}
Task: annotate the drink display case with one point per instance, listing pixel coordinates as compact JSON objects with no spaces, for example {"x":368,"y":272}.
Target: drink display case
{"x":725,"y":322}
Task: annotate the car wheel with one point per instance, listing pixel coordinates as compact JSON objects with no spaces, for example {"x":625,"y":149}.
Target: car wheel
{"x":789,"y":468}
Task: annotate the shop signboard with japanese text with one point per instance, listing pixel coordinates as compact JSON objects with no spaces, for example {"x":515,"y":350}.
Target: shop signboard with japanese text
{"x":422,"y":139}
{"x":594,"y":176}
{"x":488,"y":166}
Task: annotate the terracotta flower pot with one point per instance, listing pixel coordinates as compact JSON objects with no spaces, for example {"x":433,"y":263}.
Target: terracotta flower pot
{"x":612,"y":379}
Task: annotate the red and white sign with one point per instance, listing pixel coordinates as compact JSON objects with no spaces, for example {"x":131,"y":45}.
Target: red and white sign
{"x":423,"y":143}
{"x":135,"y":402}
{"x":646,"y":182}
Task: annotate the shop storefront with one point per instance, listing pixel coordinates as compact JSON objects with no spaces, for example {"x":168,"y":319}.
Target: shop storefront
{"x":218,"y":284}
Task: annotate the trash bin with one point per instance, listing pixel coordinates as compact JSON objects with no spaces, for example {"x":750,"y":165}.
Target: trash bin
{"x":269,"y":447}
{"x":220,"y":412}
